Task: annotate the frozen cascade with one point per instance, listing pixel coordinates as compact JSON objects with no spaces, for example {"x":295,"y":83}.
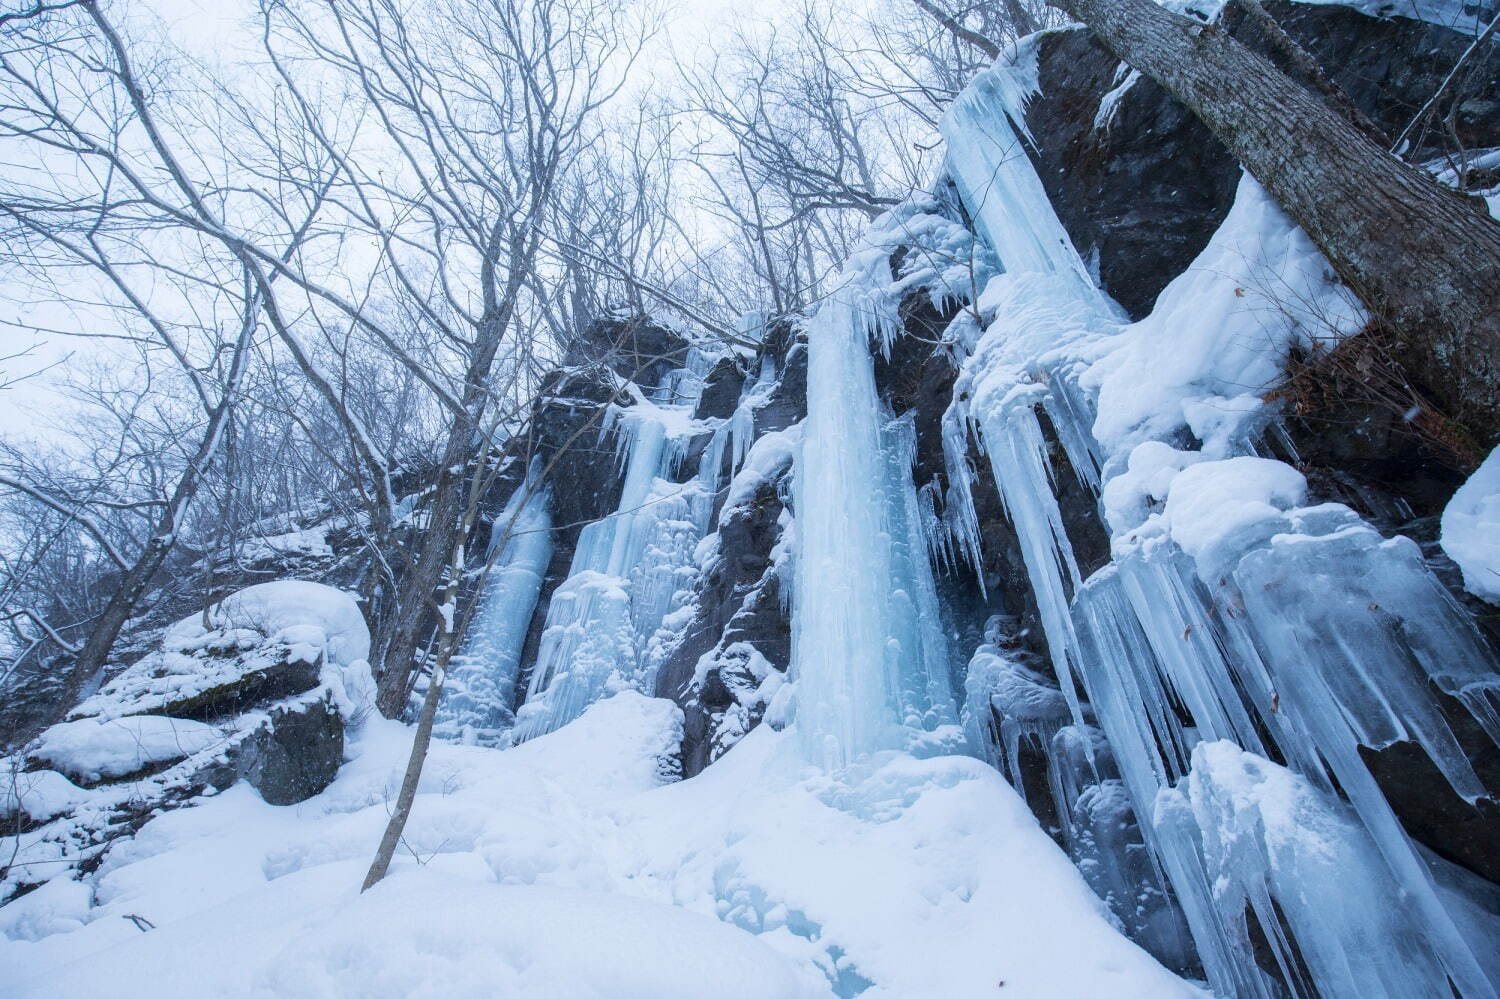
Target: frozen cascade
{"x":870,"y":663}
{"x":480,"y":689}
{"x":918,"y":649}
{"x":631,"y":570}
{"x":1321,"y":639}
{"x":1006,"y":703}
{"x":1268,"y":843}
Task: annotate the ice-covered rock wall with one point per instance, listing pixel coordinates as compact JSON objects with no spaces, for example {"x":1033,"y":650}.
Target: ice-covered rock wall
{"x":1238,"y":622}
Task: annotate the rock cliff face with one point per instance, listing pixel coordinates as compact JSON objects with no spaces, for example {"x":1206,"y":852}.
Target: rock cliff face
{"x":1141,"y":184}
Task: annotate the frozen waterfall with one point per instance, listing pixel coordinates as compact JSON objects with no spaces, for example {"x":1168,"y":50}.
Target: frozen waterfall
{"x":632,"y":569}
{"x":1234,"y":626}
{"x":870,"y":661}
{"x":479,"y":694}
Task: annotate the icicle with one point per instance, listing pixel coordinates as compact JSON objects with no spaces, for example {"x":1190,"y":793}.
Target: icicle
{"x":1006,"y":703}
{"x":1268,"y":843}
{"x":919,"y":648}
{"x":1018,"y":457}
{"x":959,"y":517}
{"x":1320,"y":640}
{"x":999,"y":186}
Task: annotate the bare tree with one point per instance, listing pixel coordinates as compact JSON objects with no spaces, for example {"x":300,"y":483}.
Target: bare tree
{"x":484,"y":106}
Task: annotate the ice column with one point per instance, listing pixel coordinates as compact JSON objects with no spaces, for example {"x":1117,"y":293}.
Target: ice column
{"x":480,"y":689}
{"x":870,"y":663}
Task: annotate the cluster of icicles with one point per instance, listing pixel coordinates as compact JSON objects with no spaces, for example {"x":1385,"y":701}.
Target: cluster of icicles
{"x":1313,"y":641}
{"x":1310,"y":644}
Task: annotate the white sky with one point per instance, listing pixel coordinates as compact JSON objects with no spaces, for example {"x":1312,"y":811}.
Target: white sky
{"x":215,"y":32}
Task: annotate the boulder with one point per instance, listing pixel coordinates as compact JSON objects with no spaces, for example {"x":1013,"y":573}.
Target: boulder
{"x":721,"y":389}
{"x":94,"y":751}
{"x":637,"y":348}
{"x":221,"y":678}
{"x":294,"y":753}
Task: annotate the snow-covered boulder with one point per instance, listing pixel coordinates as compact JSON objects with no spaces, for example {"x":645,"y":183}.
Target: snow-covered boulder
{"x":290,"y":610}
{"x":94,"y":750}
{"x":36,"y":796}
{"x":263,"y":643}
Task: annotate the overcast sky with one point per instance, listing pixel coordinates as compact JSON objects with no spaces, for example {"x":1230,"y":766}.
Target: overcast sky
{"x":217,"y":32}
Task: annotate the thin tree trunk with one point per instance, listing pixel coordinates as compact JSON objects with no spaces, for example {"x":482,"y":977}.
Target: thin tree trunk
{"x":970,"y":37}
{"x":1421,"y":257}
{"x":95,"y":652}
{"x":444,"y":527}
{"x":421,"y":739}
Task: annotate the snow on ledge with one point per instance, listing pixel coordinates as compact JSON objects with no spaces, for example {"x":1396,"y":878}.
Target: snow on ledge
{"x":1471,"y":529}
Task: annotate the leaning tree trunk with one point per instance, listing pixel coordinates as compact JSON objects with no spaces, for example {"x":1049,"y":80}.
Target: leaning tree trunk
{"x":411,"y":621}
{"x":94,"y":654}
{"x":413,"y":613}
{"x":1422,"y":258}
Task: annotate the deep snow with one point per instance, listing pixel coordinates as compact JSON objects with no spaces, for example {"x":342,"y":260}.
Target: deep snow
{"x":570,"y":867}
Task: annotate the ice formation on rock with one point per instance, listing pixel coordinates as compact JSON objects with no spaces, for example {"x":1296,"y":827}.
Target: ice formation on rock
{"x":1231,"y":613}
{"x":479,"y":693}
{"x":632,"y":569}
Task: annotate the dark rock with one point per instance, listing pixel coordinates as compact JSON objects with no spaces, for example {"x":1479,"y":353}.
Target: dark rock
{"x":583,"y":479}
{"x":918,"y":378}
{"x":295,"y":753}
{"x":1389,"y":67}
{"x":213,"y":683}
{"x":1141,"y":195}
{"x":636,"y":348}
{"x":1429,"y":808}
{"x":566,"y":426}
{"x":786,"y":343}
{"x":738,"y":600}
{"x":721,"y":389}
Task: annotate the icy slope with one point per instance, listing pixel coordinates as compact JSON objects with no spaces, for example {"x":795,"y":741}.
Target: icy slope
{"x":568,"y":867}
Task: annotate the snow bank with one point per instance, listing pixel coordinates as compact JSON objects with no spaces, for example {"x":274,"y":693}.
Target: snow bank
{"x":1471,"y":529}
{"x":38,"y":794}
{"x":1216,"y":510}
{"x":1219,"y":334}
{"x":767,"y":458}
{"x":478,"y":939}
{"x":290,"y":610}
{"x":574,"y":866}
{"x":92,"y":750}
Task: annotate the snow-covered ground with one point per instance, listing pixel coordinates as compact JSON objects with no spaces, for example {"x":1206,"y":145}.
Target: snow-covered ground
{"x":573,"y":866}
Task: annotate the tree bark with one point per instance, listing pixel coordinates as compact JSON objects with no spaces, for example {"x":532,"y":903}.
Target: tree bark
{"x":1421,"y":257}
